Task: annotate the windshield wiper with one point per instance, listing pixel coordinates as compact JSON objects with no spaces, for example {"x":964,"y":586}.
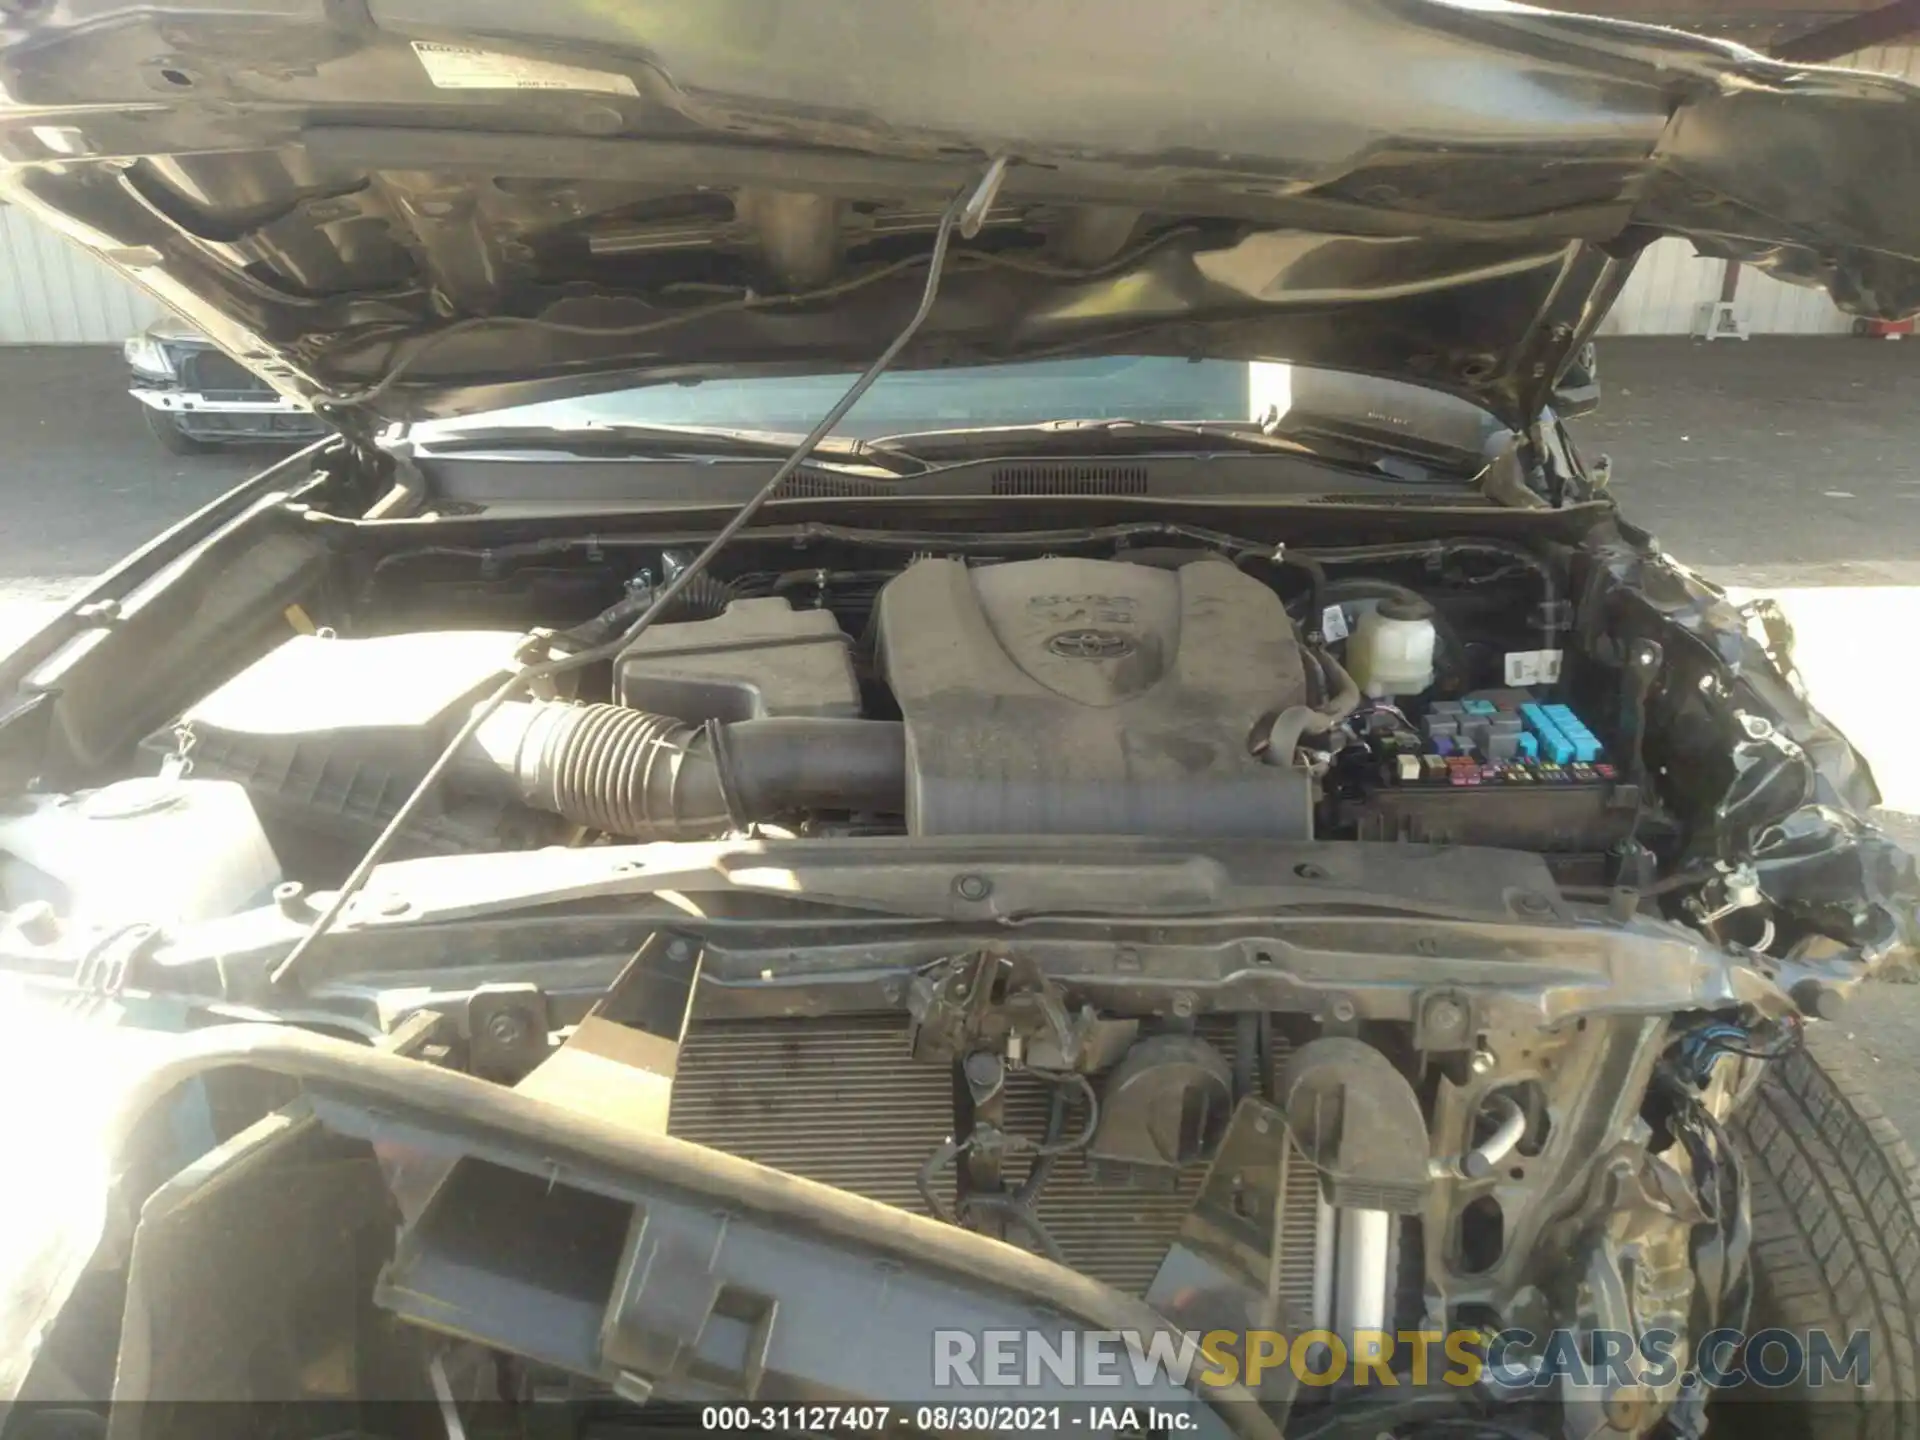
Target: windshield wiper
{"x":1124,"y":436}
{"x":910,"y":454}
{"x":620,"y":439}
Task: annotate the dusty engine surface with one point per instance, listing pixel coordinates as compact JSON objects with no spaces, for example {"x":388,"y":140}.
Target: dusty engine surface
{"x":1074,"y":696}
{"x":1052,"y":696}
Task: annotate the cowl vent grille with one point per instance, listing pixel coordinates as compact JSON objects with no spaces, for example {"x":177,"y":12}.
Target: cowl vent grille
{"x":816,"y":485}
{"x":1070,"y":480}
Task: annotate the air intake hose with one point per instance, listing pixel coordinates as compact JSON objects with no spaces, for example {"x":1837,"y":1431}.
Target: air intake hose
{"x":653,"y":777}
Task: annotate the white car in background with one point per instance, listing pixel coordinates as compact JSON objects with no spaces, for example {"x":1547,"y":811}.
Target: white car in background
{"x":197,"y":396}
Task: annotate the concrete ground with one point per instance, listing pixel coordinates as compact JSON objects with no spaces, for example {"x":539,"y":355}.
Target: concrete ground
{"x":81,"y":480}
{"x":1771,"y":463}
{"x":1785,"y":466}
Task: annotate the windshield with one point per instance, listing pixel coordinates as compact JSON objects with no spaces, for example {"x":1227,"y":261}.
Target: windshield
{"x":1156,"y":388}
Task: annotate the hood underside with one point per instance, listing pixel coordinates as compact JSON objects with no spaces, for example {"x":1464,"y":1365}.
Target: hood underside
{"x":422,"y":207}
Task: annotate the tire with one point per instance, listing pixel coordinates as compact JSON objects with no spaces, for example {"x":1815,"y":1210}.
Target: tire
{"x":172,"y":438}
{"x":1836,"y":1246}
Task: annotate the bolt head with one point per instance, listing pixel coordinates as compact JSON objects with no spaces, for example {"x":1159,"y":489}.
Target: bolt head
{"x":507,"y":1027}
{"x":1341,"y":1009}
{"x":983,"y":1070}
{"x":1445,"y":1017}
{"x":1483,"y":1062}
{"x":973,"y":887}
{"x":1183,"y":1005}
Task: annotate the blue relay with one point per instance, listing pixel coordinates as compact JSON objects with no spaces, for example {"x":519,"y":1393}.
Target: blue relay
{"x":1503,"y":737}
{"x":1509,"y":768}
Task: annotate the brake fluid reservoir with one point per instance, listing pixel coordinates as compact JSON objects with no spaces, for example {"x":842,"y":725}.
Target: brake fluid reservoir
{"x":153,"y":849}
{"x":1391,"y":652}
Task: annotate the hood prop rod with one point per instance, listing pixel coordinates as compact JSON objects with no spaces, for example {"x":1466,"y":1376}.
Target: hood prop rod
{"x":970,"y":205}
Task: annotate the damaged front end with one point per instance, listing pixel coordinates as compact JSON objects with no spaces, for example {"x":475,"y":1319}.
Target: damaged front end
{"x":1357,"y":1084}
{"x":798,"y":1156}
{"x":864,"y":931}
{"x":543,"y":1255}
{"x":1780,"y":856}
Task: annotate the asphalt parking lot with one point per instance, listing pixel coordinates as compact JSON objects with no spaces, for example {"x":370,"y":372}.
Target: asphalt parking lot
{"x":81,"y":480}
{"x":1785,"y":465}
{"x":1773,"y":463}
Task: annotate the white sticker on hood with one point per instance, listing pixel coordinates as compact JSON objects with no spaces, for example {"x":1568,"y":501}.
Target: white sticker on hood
{"x":458,"y":67}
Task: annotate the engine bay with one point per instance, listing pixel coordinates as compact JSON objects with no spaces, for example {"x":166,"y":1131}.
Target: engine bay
{"x":1424,"y":693}
{"x":1058,"y":885}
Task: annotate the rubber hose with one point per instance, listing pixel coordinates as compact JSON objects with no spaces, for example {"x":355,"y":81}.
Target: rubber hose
{"x":1343,"y":698}
{"x":1316,"y":574}
{"x":705,"y":597}
{"x":653,"y":777}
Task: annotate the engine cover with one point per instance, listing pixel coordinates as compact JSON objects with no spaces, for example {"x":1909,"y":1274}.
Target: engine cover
{"x":1092,"y":697}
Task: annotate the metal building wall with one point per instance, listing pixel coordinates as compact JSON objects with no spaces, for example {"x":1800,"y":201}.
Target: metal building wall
{"x":53,"y":293}
{"x":1670,"y":281}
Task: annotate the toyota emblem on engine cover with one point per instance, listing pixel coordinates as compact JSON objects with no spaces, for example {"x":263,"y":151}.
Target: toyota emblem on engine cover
{"x":1091,"y":645}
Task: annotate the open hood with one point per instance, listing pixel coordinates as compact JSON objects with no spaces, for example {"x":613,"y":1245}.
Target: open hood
{"x":425,"y":207}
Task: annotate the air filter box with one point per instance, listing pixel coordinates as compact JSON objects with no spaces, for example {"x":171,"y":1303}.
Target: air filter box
{"x":331,"y":735}
{"x":760,"y":658}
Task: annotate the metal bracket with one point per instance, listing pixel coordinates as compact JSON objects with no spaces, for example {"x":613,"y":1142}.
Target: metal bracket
{"x":1443,"y":1022}
{"x":506,"y":1028}
{"x":655,"y":991}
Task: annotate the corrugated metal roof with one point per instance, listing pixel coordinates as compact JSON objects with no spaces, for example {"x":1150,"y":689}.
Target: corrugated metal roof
{"x":54,"y":293}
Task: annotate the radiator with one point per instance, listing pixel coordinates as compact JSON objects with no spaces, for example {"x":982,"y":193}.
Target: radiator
{"x":841,"y":1101}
